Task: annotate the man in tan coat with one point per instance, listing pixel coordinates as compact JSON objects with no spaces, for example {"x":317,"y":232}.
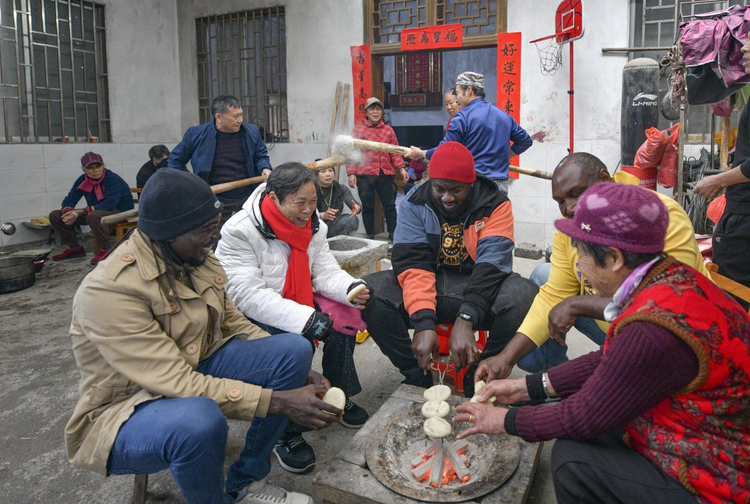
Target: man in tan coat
{"x":165,"y":358}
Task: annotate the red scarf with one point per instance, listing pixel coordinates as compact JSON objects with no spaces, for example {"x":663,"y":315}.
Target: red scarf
{"x":298,"y":285}
{"x":89,"y":184}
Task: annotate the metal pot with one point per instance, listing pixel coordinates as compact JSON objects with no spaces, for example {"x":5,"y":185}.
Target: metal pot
{"x":39,"y":255}
{"x":16,"y":273}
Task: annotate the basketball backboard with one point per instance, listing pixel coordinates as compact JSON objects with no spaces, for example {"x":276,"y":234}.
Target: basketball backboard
{"x":569,"y":21}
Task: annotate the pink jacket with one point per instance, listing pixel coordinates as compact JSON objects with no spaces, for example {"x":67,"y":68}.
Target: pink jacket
{"x":375,"y":161}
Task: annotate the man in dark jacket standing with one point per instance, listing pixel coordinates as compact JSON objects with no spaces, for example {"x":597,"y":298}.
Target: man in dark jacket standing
{"x":452,"y":263}
{"x":224,"y":150}
{"x":105,"y":192}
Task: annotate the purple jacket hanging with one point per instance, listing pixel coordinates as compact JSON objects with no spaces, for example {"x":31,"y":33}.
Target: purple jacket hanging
{"x":717,"y":40}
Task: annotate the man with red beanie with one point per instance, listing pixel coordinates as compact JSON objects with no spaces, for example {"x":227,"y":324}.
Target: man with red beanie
{"x":452,"y":263}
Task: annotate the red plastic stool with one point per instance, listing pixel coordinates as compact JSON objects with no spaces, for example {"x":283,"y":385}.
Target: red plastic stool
{"x":444,"y":335}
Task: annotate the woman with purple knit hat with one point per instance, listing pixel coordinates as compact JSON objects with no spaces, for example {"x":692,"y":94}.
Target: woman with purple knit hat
{"x":661,"y":413}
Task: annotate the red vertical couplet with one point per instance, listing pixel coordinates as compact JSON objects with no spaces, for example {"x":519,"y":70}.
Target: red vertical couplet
{"x":360,"y":78}
{"x":509,"y":79}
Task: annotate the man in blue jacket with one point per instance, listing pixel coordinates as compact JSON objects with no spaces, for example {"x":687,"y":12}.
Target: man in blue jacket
{"x":224,"y":150}
{"x":483,"y":129}
{"x":106,"y":193}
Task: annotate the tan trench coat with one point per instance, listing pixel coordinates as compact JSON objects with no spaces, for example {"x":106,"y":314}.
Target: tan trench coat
{"x":134,"y":343}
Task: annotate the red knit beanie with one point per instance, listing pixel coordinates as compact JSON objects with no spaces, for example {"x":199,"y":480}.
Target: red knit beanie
{"x":453,"y":161}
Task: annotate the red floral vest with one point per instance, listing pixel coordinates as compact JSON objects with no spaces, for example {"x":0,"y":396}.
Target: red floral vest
{"x":700,"y":436}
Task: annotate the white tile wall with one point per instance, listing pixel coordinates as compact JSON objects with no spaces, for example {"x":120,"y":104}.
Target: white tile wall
{"x":18,"y":157}
{"x":22,"y":206}
{"x":528,"y":232}
{"x":528,"y":209}
{"x":609,"y":153}
{"x":129,"y":173}
{"x":62,"y":178}
{"x":110,"y":153}
{"x":536,"y":157}
{"x":135,"y":153}
{"x":62,"y":155}
{"x":25,"y":181}
{"x":528,"y":186}
{"x":55,"y":198}
{"x":118,"y":169}
{"x":555,"y":152}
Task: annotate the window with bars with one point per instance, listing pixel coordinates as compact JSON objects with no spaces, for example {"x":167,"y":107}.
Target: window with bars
{"x":53,"y":72}
{"x":655,"y":24}
{"x":244,"y":54}
{"x":386,"y":19}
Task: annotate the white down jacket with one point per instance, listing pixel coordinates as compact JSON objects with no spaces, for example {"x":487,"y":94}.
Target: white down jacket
{"x":256,"y":263}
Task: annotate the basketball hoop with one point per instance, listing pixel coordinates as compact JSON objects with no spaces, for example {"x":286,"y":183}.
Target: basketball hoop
{"x":549,"y":50}
{"x":568,"y":28}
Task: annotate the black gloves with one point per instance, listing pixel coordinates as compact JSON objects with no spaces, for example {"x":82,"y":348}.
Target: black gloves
{"x":318,"y":327}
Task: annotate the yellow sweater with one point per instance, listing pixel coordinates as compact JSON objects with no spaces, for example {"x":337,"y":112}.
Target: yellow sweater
{"x":566,"y":280}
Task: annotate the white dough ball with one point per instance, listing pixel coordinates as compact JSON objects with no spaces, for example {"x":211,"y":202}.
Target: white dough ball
{"x":435,"y":408}
{"x":335,"y":397}
{"x":437,"y":427}
{"x":437,"y":393}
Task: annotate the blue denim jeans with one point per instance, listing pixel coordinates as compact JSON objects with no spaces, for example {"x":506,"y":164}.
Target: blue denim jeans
{"x":189,"y":435}
{"x":551,"y":353}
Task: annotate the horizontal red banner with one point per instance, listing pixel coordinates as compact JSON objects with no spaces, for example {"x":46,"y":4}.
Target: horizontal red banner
{"x":432,"y":37}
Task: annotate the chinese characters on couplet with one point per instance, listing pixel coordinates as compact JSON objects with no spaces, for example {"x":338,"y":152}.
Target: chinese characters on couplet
{"x":361,"y":77}
{"x":509,"y":78}
{"x":432,"y":37}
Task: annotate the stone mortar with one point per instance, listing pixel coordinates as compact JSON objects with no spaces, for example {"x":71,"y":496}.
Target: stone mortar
{"x":357,"y":256}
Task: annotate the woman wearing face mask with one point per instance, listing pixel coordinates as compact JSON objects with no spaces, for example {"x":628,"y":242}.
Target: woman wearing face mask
{"x":276,"y":255}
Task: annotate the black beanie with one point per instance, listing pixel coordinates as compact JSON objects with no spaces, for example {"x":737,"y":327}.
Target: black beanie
{"x":174,"y":202}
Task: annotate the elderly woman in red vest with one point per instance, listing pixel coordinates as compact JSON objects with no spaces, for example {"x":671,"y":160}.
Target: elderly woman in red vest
{"x":661,"y":413}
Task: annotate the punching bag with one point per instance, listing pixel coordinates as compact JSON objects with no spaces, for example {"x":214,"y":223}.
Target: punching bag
{"x":640,"y":105}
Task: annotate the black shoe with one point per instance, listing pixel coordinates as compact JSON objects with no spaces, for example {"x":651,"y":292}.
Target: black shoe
{"x":294,"y":453}
{"x":370,"y":236}
{"x":354,"y":416}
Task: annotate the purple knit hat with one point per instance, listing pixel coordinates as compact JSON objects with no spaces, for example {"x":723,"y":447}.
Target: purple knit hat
{"x":619,"y":215}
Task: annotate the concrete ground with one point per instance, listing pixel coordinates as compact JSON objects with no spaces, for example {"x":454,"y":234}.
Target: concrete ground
{"x":38,"y":389}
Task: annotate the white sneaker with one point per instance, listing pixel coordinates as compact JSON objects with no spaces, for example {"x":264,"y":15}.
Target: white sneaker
{"x":265,"y":492}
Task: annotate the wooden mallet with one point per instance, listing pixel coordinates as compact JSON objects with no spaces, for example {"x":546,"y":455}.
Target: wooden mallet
{"x":113,"y":219}
{"x":350,"y":148}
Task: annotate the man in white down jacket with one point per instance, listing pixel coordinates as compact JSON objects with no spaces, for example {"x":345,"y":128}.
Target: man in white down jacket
{"x":277,"y":258}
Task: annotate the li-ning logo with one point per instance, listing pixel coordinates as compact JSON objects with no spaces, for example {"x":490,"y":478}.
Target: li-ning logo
{"x":646,"y":100}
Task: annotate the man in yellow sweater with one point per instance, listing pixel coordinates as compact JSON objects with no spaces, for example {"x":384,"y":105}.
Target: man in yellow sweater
{"x":567,"y":298}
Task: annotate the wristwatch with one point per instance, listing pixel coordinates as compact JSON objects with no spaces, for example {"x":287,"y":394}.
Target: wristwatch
{"x":465,"y":316}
